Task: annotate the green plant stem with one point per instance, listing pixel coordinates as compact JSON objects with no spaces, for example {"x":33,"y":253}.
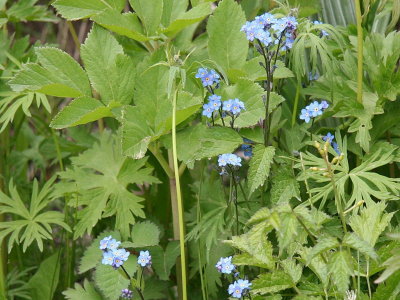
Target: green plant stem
{"x":74,"y":35}
{"x":130,"y":278}
{"x":164,"y":164}
{"x":179,"y":199}
{"x":368,"y":283}
{"x":296,"y":102}
{"x":3,"y":248}
{"x":360,"y":42}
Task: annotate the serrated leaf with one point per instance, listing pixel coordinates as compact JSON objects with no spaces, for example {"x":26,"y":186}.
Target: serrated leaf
{"x":109,"y":281}
{"x":111,"y":72}
{"x":79,"y":292}
{"x":145,"y":234}
{"x":44,"y":282}
{"x":246,"y":259}
{"x":80,"y":9}
{"x":149,"y":12}
{"x":126,"y":24}
{"x":80,"y":111}
{"x":192,"y":16}
{"x":163,"y":261}
{"x":284,"y":186}
{"x":340,"y":268}
{"x":294,"y":270}
{"x":388,"y":290}
{"x":227,"y":45}
{"x":354,"y":241}
{"x":271,"y":283}
{"x":260,"y":165}
{"x":324,"y":244}
{"x":93,"y":254}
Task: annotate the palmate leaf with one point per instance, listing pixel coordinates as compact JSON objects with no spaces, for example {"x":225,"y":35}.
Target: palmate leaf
{"x":101,"y":176}
{"x":31,"y":224}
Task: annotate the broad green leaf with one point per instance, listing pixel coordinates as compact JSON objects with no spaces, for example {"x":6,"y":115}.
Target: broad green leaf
{"x":271,"y":283}
{"x":145,"y":234}
{"x":79,"y":292}
{"x":284,"y":186}
{"x":111,"y":72}
{"x":371,"y":222}
{"x":163,"y":261}
{"x":194,"y":15}
{"x":150,"y":13}
{"x":294,"y":270}
{"x":246,"y":259}
{"x":388,"y":290}
{"x":324,"y":244}
{"x":44,"y":282}
{"x":32,"y":224}
{"x":227,"y":45}
{"x":126,"y":24}
{"x":354,"y":241}
{"x":197,"y":142}
{"x":260,"y":165}
{"x":80,"y":111}
{"x":172,"y":9}
{"x":80,"y":9}
{"x":110,"y":281}
{"x":281,"y":71}
{"x":155,"y":289}
{"x":252,"y":96}
{"x":93,"y":254}
{"x":340,"y":268}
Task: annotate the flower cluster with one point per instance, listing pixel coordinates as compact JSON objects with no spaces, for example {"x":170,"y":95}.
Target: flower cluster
{"x":267,"y":30}
{"x":229,"y":159}
{"x":231,"y":106}
{"x":144,"y":258}
{"x":329,"y":137}
{"x":208,"y":77}
{"x":225,"y":266}
{"x":323,"y":32}
{"x":126,"y":294}
{"x":313,"y":110}
{"x":239,"y":288}
{"x":111,"y":254}
{"x":247,"y":147}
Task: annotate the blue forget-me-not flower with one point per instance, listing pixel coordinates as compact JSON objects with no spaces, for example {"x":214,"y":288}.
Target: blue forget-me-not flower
{"x":144,"y":258}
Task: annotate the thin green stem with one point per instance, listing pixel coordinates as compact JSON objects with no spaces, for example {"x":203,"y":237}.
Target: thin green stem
{"x":296,"y":102}
{"x":164,"y":164}
{"x":360,"y":42}
{"x":179,"y":199}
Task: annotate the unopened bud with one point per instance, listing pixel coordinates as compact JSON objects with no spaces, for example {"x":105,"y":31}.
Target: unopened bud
{"x":326,"y":174}
{"x":317,"y":145}
{"x":313,"y":168}
{"x":322,"y":152}
{"x":335,"y":160}
{"x":341,"y":157}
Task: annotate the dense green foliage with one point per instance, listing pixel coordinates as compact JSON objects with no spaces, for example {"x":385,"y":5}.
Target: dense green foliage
{"x":104,"y":132}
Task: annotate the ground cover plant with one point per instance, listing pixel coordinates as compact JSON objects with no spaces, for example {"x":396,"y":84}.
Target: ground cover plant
{"x":176,"y":149}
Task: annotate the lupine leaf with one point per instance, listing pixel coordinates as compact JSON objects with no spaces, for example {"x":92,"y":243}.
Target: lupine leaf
{"x":93,"y":254}
{"x":227,"y":46}
{"x":110,"y":282}
{"x":260,"y":165}
{"x":87,"y":292}
{"x":111,"y":72}
{"x":44,"y":282}
{"x":80,"y":9}
{"x":80,"y":111}
{"x":149,"y":12}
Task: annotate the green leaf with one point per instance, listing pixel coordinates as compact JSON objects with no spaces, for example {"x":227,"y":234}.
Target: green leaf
{"x":271,"y":283}
{"x":260,"y":165}
{"x":163,"y":261}
{"x":93,"y":254}
{"x":145,"y":234}
{"x":246,"y":259}
{"x":371,"y":222}
{"x":281,"y":71}
{"x":155,"y":289}
{"x":340,"y":268}
{"x":110,"y":282}
{"x":126,"y":24}
{"x":80,"y":9}
{"x":388,"y":290}
{"x":87,"y":292}
{"x":284,"y":186}
{"x":44,"y":283}
{"x":197,"y":142}
{"x":82,"y":111}
{"x":294,"y":270}
{"x":194,"y":15}
{"x":150,"y":13}
{"x":172,"y":9}
{"x":324,"y":244}
{"x":227,"y":45}
{"x":252,"y":96}
{"x":111,"y":72}
{"x":32,"y":224}
{"x":354,"y":241}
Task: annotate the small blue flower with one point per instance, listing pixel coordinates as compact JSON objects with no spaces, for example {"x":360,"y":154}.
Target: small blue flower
{"x":122,"y":254}
{"x":244,"y":284}
{"x":113,"y":244}
{"x":336,"y":148}
{"x":201,"y":73}
{"x":108,"y":258}
{"x":265,"y":20}
{"x":247,"y":150}
{"x":207,"y":110}
{"x":208,"y":77}
{"x":235,"y":290}
{"x":104,"y":242}
{"x":117,"y":262}
{"x":305,"y":115}
{"x":315,"y":109}
{"x":229,"y":159}
{"x":227,"y":105}
{"x":250,"y":29}
{"x":323,"y":32}
{"x":312,"y":77}
{"x":279,"y":26}
{"x":224,"y":265}
{"x":144,"y":258}
{"x":127,"y":294}
{"x":328,"y":137}
{"x":324,"y":104}
{"x":215,"y":102}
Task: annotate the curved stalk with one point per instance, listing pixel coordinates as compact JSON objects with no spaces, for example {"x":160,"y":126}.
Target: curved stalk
{"x":179,"y":199}
{"x":360,"y":42}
